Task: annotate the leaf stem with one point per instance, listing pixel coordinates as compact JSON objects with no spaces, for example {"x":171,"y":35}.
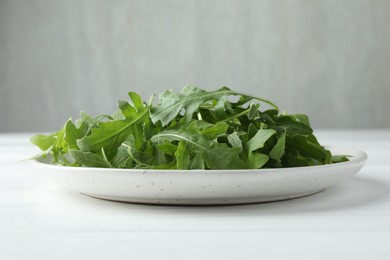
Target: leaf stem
{"x":246,"y":111}
{"x":199,"y":116}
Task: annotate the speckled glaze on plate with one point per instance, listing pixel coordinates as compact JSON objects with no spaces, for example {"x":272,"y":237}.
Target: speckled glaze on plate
{"x":206,"y":187}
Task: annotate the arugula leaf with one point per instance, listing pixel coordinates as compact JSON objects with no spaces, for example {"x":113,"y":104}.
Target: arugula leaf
{"x":44,"y":142}
{"x":197,"y":162}
{"x":339,"y":158}
{"x":257,"y":160}
{"x":192,"y":129}
{"x":220,"y":156}
{"x":73,"y":133}
{"x":235,"y":141}
{"x":167,"y":148}
{"x":292,"y":158}
{"x":182,"y":157}
{"x":293,"y":126}
{"x":258,"y":140}
{"x":190,"y":99}
{"x":110,"y":135}
{"x":122,"y":158}
{"x":53,"y":145}
{"x":307,"y":148}
{"x":279,"y":149}
{"x":90,"y":159}
{"x":216,"y":155}
{"x":214,"y":131}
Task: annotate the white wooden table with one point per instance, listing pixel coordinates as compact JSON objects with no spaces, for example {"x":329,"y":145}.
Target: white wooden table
{"x":39,"y":220}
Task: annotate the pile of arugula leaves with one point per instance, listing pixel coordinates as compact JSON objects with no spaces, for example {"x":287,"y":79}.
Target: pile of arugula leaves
{"x":193,"y":129}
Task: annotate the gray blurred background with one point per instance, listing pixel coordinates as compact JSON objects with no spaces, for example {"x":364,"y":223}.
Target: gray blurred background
{"x":329,"y":59}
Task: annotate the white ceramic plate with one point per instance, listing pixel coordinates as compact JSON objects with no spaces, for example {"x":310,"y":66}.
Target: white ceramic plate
{"x":206,"y":187}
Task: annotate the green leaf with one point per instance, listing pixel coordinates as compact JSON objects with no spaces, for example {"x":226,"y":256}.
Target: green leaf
{"x":122,"y":158}
{"x":306,"y":148}
{"x":110,"y":135}
{"x":220,"y":108}
{"x":73,"y":133}
{"x":139,"y":157}
{"x":302,"y":118}
{"x":235,"y":141}
{"x":89,"y":159}
{"x":90,"y":121}
{"x":127,"y":110}
{"x":220,"y":156}
{"x":339,"y":158}
{"x":254,"y":159}
{"x":168,"y":166}
{"x":58,"y":149}
{"x":278,"y":150}
{"x":190,"y":99}
{"x":293,"y":159}
{"x":252,"y":130}
{"x":43,"y":141}
{"x":268,"y":117}
{"x":150,"y":129}
{"x":197,"y":162}
{"x":253,"y":111}
{"x":182,"y":156}
{"x":118,"y":115}
{"x":259,"y":139}
{"x":157,"y":156}
{"x":215,"y":130}
{"x":167,"y":148}
{"x":216,"y":155}
{"x":137,"y":101}
{"x":137,"y":132}
{"x":257,"y":160}
{"x":192,"y":129}
{"x":292,"y":126}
